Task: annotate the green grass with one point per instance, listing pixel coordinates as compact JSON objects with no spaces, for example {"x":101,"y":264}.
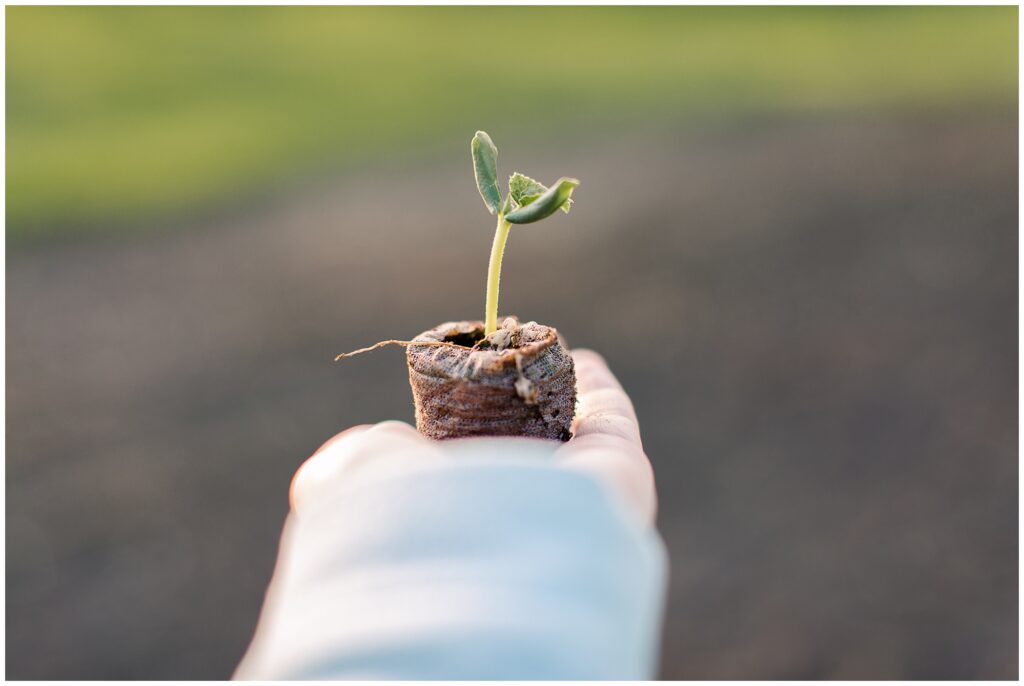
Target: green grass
{"x":119,"y":114}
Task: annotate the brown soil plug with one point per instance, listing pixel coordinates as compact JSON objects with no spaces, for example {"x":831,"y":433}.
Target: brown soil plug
{"x":518,"y":381}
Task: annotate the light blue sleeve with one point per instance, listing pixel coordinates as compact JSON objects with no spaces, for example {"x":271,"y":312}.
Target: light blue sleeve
{"x":476,"y":571}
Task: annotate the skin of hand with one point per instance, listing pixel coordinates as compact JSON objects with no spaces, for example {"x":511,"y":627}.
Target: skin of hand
{"x":605,"y":445}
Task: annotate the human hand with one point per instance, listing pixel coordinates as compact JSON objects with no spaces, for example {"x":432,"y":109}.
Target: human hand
{"x":605,"y":445}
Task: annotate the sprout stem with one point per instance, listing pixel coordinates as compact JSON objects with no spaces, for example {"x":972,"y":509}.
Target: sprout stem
{"x":494,"y":275}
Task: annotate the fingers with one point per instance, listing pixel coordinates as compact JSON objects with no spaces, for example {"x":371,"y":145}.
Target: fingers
{"x":618,"y":464}
{"x":606,"y":442}
{"x":603,"y":407}
{"x":360,"y":452}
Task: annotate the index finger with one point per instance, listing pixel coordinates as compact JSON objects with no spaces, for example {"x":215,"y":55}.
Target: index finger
{"x":604,"y":408}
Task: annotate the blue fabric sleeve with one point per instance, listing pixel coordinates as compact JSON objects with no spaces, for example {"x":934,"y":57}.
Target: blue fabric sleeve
{"x":475,"y":571}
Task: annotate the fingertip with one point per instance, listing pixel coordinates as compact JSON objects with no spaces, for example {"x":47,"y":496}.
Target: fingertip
{"x":351,"y":431}
{"x":587,"y":357}
{"x":333,"y":440}
{"x":592,"y":373}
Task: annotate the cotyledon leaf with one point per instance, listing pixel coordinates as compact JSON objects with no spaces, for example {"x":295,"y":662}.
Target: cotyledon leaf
{"x":485,"y":167}
{"x":555,"y":197}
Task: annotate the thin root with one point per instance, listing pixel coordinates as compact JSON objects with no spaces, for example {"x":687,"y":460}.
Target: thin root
{"x":439,"y":344}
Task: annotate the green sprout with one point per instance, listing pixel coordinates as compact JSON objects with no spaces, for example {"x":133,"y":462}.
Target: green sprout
{"x":527,"y":201}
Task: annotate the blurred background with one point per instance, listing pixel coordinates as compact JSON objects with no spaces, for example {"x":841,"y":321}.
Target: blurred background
{"x":795,"y":242}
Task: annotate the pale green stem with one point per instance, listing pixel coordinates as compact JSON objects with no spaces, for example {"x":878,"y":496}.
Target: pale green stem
{"x":494,"y":275}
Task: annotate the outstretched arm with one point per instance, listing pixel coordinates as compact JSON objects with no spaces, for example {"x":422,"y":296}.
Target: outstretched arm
{"x":491,"y":558}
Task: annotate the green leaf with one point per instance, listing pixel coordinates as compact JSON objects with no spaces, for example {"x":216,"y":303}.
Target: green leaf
{"x":485,"y":167}
{"x":524,"y":190}
{"x":552,"y":199}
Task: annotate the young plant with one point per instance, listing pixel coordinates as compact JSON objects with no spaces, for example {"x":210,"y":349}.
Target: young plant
{"x":515,"y":381}
{"x":527,"y":201}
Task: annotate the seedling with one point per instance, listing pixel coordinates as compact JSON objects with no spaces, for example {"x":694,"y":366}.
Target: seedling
{"x":526,"y":202}
{"x":517,"y":380}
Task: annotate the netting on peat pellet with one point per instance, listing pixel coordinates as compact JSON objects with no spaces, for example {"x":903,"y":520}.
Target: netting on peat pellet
{"x":527,"y":389}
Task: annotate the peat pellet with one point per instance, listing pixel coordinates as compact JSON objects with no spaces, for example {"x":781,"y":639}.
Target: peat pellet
{"x":526,"y":389}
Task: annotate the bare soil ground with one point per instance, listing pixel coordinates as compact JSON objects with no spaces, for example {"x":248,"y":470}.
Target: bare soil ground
{"x":815,"y":318}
